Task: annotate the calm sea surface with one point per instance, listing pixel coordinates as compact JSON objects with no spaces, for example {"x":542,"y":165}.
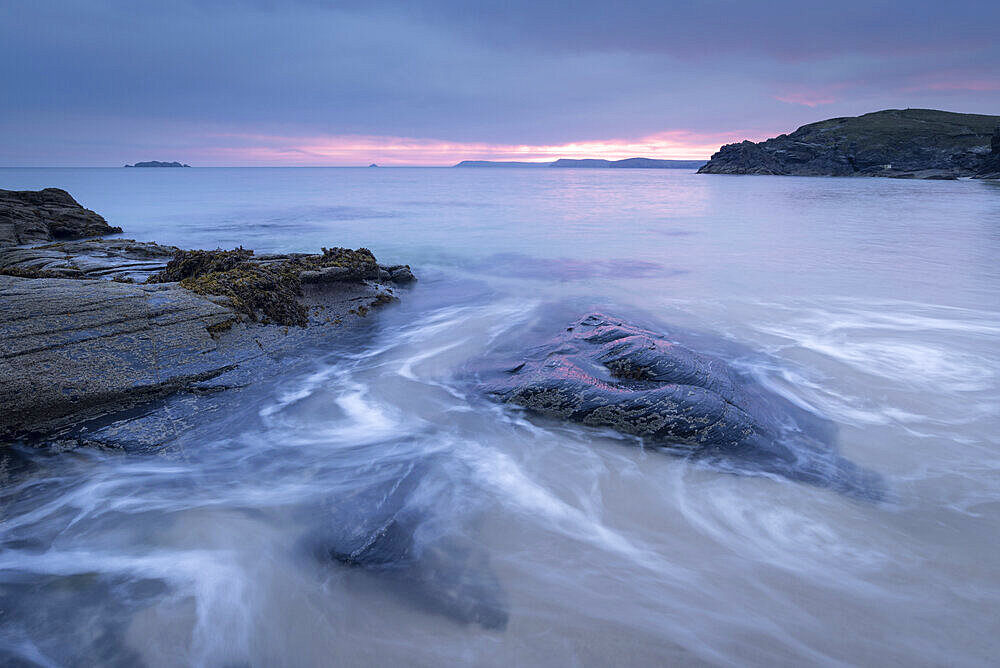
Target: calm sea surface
{"x":872,"y":302}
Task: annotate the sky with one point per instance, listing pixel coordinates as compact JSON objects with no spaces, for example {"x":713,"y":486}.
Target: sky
{"x":422,"y":82}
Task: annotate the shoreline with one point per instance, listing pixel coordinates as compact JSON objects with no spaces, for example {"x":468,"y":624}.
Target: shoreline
{"x":96,"y":327}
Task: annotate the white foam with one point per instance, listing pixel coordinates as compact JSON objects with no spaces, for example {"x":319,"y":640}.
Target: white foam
{"x":501,"y":473}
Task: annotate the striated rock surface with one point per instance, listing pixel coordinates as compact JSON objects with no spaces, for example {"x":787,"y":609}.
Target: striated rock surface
{"x":78,"y":347}
{"x":603,"y":372}
{"x":37,"y":216}
{"x":118,"y":259}
{"x":907,"y":143}
{"x":75,"y":347}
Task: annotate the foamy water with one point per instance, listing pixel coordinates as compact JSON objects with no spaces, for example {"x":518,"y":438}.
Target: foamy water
{"x":872,"y":303}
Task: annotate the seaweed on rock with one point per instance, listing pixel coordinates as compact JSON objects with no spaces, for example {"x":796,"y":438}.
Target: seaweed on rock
{"x":265,"y":289}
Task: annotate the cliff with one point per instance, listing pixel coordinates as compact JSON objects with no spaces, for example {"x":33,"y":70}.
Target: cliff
{"x":907,"y":143}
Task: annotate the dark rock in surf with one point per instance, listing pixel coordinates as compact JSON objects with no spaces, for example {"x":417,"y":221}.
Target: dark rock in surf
{"x":406,"y":528}
{"x":606,"y":373}
{"x":37,"y":216}
{"x":400,"y":273}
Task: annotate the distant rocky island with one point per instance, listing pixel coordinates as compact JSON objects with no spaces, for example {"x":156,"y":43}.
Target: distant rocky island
{"x":158,"y":163}
{"x":895,"y":143}
{"x":594,"y":163}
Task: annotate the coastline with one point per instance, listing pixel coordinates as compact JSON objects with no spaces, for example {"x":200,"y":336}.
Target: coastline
{"x":95,"y":328}
{"x":899,"y":144}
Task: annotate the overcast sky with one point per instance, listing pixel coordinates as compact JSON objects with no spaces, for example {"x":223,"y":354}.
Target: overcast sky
{"x":312,"y":82}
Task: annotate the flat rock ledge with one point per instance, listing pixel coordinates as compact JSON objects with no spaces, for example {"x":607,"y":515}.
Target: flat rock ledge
{"x":93,"y":329}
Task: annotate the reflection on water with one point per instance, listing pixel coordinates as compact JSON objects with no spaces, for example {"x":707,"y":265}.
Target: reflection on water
{"x":369,"y":505}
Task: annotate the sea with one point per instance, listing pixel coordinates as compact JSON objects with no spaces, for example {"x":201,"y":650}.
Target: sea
{"x":872,"y":303}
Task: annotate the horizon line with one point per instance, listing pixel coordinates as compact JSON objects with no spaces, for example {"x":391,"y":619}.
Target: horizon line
{"x":354,"y":166}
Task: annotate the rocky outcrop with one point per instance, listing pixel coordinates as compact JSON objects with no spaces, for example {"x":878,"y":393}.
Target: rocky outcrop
{"x":79,"y":347}
{"x":603,"y":372}
{"x":267,"y":288}
{"x":158,"y":163}
{"x":990,"y":168}
{"x":37,"y":216}
{"x":908,"y":143}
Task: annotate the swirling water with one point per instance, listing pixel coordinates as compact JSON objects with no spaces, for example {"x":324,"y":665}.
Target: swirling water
{"x":873,"y":303}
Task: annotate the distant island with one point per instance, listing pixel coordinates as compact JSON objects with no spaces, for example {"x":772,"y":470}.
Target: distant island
{"x":157,"y":163}
{"x":592,"y":163}
{"x":895,"y":143}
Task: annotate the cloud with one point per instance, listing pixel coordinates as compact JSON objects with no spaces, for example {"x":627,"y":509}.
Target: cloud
{"x":106,"y":79}
{"x":361,"y":150}
{"x":805,"y":99}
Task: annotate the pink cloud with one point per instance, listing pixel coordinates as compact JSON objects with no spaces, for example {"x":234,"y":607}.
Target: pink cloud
{"x":813,"y":96}
{"x":807,"y":99}
{"x":265,"y":149}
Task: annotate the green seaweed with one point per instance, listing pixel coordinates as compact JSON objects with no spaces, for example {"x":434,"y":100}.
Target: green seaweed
{"x":264,"y":290}
{"x":193,"y":263}
{"x":220,"y":327}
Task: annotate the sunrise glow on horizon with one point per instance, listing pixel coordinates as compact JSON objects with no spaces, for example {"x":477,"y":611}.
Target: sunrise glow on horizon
{"x":353,"y":150}
{"x":427,"y":84}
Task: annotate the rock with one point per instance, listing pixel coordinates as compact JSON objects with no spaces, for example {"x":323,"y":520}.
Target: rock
{"x":604,"y":372}
{"x":406,"y":526}
{"x":120,"y":259}
{"x":326,"y":275}
{"x":74,"y":348}
{"x":990,"y":168}
{"x":30,"y":217}
{"x":79,"y":348}
{"x":158,"y":163}
{"x":400,"y":273}
{"x":909,"y":143}
{"x":267,"y":289}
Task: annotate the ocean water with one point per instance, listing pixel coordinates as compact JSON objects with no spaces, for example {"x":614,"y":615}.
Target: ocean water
{"x":873,"y":303}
